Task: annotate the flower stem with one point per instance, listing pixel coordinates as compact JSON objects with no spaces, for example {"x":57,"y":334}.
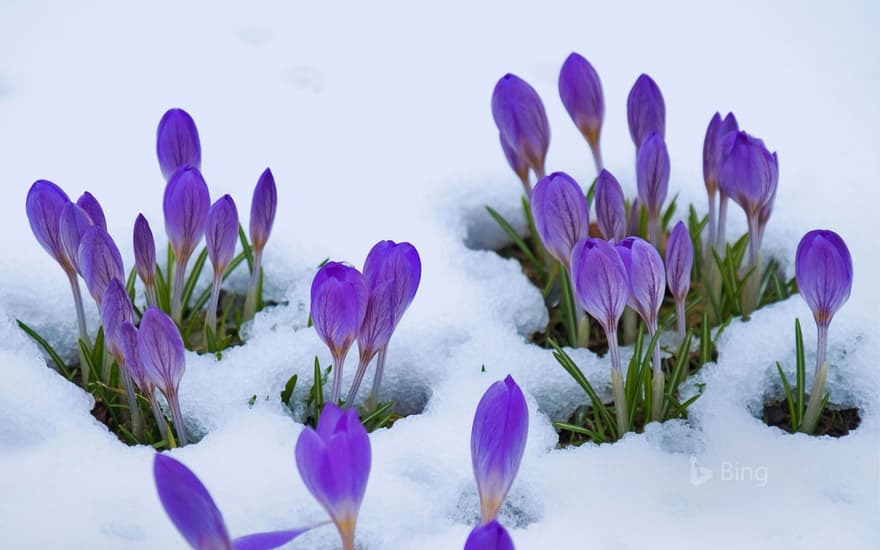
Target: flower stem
{"x":177,"y":417}
{"x":338,"y":362}
{"x":658,"y":380}
{"x":654,"y":229}
{"x":721,"y":234}
{"x":821,"y":345}
{"x":358,"y":378}
{"x":137,"y":425}
{"x":750,"y":298}
{"x":211,"y":313}
{"x":817,"y":397}
{"x":250,"y":302}
{"x":583,"y":331}
{"x":373,"y":399}
{"x":597,"y":154}
{"x":177,"y":289}
{"x":150,"y":291}
{"x":81,"y":327}
{"x":157,"y":413}
{"x":680,"y":321}
{"x":617,"y":387}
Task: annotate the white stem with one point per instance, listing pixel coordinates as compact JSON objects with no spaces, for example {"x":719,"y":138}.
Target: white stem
{"x":177,"y":289}
{"x":821,"y":345}
{"x":211,"y":313}
{"x":814,"y":406}
{"x":81,"y":327}
{"x":373,"y":399}
{"x":358,"y":378}
{"x":338,"y":362}
{"x":177,"y":417}
{"x":157,"y":413}
{"x":680,"y":320}
{"x":721,"y":234}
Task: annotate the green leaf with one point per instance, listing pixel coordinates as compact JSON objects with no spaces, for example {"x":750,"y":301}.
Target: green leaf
{"x":582,"y":381}
{"x":377,"y":418}
{"x":129,"y":283}
{"x":705,"y":340}
{"x":193,"y":278}
{"x":163,"y":292}
{"x":591,"y":193}
{"x":50,"y":351}
{"x":670,"y":211}
{"x":789,"y":398}
{"x":681,"y":361}
{"x":801,"y":370}
{"x":569,"y":310}
{"x":517,"y":240}
{"x":287,"y":392}
{"x":246,"y":248}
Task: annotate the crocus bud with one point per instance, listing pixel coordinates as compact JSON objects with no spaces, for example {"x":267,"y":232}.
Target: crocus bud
{"x":679,"y":261}
{"x":195,"y":515}
{"x":765,"y":211}
{"x":749,"y":171}
{"x":160,"y":349}
{"x":339,"y":303}
{"x":116,"y":309}
{"x":561,"y":215}
{"x":647,"y":278}
{"x":610,"y":207}
{"x":92,"y":207}
{"x":128,"y":344}
{"x":581,"y":93}
{"x":398,"y":263}
{"x":221,"y":233}
{"x":177,"y":142}
{"x":824,"y":272}
{"x":144,"y":250}
{"x":717,"y":129}
{"x":601,"y":284}
{"x":263,"y":205}
{"x":71,"y":225}
{"x":334,"y":463}
{"x":652,"y":173}
{"x":185,"y":205}
{"x":44,"y":203}
{"x":99,"y":261}
{"x":522,"y":121}
{"x":491,"y":536}
{"x":645,"y":110}
{"x":498,"y":440}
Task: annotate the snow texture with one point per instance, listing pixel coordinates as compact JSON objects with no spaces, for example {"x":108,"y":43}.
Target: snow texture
{"x":375,"y":121}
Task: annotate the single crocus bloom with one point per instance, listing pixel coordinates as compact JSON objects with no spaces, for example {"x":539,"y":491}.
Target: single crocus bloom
{"x":522,"y":121}
{"x":399,"y":263}
{"x":99,"y":261}
{"x":824,"y":273}
{"x":610,"y":207}
{"x":645,"y":110}
{"x":338,"y":305}
{"x":334,"y":463}
{"x":581,"y":93}
{"x":221,"y":234}
{"x":498,"y":440}
{"x":161,"y":355}
{"x":713,"y":148}
{"x":263,"y":206}
{"x":185,"y":204}
{"x":177,"y":142}
{"x":652,"y":176}
{"x":196,"y":516}
{"x":491,"y":536}
{"x":561,"y":213}
{"x":92,"y":207}
{"x":72,"y":224}
{"x":44,"y":204}
{"x":145,"y":256}
{"x":679,"y":261}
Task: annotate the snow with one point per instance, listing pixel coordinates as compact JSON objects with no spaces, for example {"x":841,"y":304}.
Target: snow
{"x":375,"y":121}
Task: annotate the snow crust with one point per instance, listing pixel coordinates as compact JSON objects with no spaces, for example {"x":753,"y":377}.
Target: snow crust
{"x":375,"y":121}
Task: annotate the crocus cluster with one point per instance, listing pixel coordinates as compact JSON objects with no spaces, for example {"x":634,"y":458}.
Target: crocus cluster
{"x":498,"y":440}
{"x":348,"y":306}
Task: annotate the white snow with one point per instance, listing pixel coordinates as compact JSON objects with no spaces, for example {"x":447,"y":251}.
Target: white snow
{"x":376,"y":123}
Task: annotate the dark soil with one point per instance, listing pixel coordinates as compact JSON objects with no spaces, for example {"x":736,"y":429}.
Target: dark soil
{"x":834,"y":422}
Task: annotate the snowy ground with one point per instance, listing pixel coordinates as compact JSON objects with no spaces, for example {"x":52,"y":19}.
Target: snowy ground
{"x":376,"y":123}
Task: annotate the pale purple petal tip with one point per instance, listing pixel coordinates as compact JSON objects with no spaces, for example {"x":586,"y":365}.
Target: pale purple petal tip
{"x":92,"y":207}
{"x":263,"y":206}
{"x":99,"y":261}
{"x":43,"y":205}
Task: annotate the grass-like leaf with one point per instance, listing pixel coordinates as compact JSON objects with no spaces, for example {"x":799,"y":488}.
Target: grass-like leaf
{"x":517,"y":240}
{"x":50,"y":351}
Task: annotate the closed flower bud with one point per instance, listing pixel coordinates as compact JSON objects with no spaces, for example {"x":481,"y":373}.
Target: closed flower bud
{"x":44,"y":204}
{"x":645,"y":110}
{"x":116,"y":309}
{"x":749,"y":172}
{"x":221,"y":233}
{"x":601,"y":284}
{"x":99,"y":261}
{"x":561,"y":215}
{"x":185,"y":204}
{"x":717,"y":129}
{"x":72,"y":224}
{"x":92,"y":207}
{"x":679,"y":261}
{"x":647,"y":278}
{"x":160,"y":349}
{"x":177,"y":142}
{"x":610,"y":207}
{"x":398,"y":263}
{"x":581,"y":93}
{"x":263,"y":205}
{"x":521,"y":120}
{"x":144,"y":250}
{"x":824,"y":272}
{"x":652,"y":173}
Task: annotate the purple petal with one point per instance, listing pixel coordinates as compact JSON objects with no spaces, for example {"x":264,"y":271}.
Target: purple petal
{"x":581,"y":93}
{"x":647,"y":277}
{"x":266,"y":541}
{"x":144,"y":250}
{"x":498,"y":439}
{"x":189,"y":505}
{"x":92,"y":207}
{"x":610,"y":207}
{"x":679,"y":261}
{"x":749,"y":172}
{"x":824,"y":272}
{"x":652,"y":172}
{"x":338,"y":305}
{"x":43,"y":205}
{"x":645,"y":110}
{"x":521,"y":120}
{"x":116,"y":309}
{"x":160,"y":349}
{"x":72,"y":224}
{"x":561,"y":214}
{"x":99,"y":261}
{"x":177,"y":142}
{"x":128,"y":343}
{"x":716,"y":131}
{"x":379,"y":320}
{"x":221,"y":233}
{"x":491,"y":536}
{"x":601,"y":284}
{"x":186,"y":205}
{"x":263,"y":205}
{"x":397,"y":262}
{"x":516,"y":162}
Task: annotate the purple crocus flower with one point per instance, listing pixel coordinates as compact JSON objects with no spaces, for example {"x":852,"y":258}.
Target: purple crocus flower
{"x":177,"y":142}
{"x":713,"y":155}
{"x":145,"y":256}
{"x":498,"y":440}
{"x":338,"y":306}
{"x":116,"y":310}
{"x":196,"y":516}
{"x":824,"y":272}
{"x":74,"y":221}
{"x":679,"y":261}
{"x":99,"y":261}
{"x":221,"y":234}
{"x":92,"y":207}
{"x":400,"y":264}
{"x":610,"y":207}
{"x":581,"y":93}
{"x":517,"y":164}
{"x":161,"y":355}
{"x":522,"y":121}
{"x":44,"y":204}
{"x":561,"y":213}
{"x":128,"y":342}
{"x":185,"y":205}
{"x":645,"y":110}
{"x":375,"y":331}
{"x":652,"y":175}
{"x":263,"y":206}
{"x":334,"y":463}
{"x":491,"y":536}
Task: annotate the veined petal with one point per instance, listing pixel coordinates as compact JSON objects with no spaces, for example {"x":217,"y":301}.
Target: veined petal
{"x":610,"y":207}
{"x":177,"y":142}
{"x":561,"y":214}
{"x":221,"y":232}
{"x":601,"y":283}
{"x":92,"y":207}
{"x":824,"y":272}
{"x":679,"y":261}
{"x":263,"y":206}
{"x":160,"y":349}
{"x":491,"y":536}
{"x":43,"y":205}
{"x":99,"y":261}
